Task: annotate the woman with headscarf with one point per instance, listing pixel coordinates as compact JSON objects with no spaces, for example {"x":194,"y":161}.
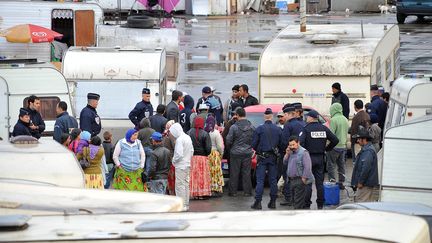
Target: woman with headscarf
{"x":185,"y":114}
{"x":82,"y":143}
{"x":94,"y":154}
{"x":215,"y":157}
{"x":129,"y":158}
{"x":199,"y":169}
{"x":169,"y":143}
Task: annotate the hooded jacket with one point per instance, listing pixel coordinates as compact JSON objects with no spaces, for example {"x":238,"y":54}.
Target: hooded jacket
{"x":240,"y":136}
{"x":183,"y":150}
{"x":339,"y":125}
{"x":186,"y":113}
{"x":145,"y":132}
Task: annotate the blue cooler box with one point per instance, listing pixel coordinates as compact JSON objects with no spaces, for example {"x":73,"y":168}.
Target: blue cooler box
{"x":331,"y":193}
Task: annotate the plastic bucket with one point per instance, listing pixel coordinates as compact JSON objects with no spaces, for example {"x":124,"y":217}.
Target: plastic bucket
{"x":331,"y":193}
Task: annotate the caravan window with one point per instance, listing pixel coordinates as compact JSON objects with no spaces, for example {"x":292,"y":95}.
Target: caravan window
{"x":48,"y":107}
{"x":62,"y":21}
{"x":388,"y":68}
{"x":397,"y":114}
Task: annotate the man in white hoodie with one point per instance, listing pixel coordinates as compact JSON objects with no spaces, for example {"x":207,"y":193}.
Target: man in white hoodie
{"x":183,"y":152}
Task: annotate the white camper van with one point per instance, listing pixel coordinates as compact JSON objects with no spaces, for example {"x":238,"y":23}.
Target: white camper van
{"x":301,"y":67}
{"x":407,"y":160}
{"x":410,"y":98}
{"x":20,"y":80}
{"x":75,"y":20}
{"x":164,"y":38}
{"x":118,"y":75}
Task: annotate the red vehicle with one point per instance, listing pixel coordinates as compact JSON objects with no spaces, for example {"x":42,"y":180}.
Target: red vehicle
{"x":255,"y":114}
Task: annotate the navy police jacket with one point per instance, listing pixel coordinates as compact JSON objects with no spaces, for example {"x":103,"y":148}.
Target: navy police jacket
{"x":291,"y":127}
{"x":138,"y":113}
{"x":36,"y":119}
{"x":266,"y":137}
{"x":21,"y":128}
{"x":379,"y":108}
{"x":90,"y":121}
{"x":314,"y":138}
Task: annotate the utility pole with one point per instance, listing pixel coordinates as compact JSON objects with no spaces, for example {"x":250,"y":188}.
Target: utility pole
{"x":302,"y":15}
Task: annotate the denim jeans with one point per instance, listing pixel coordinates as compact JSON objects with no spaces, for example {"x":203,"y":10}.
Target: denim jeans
{"x":109,"y":176}
{"x":158,"y":186}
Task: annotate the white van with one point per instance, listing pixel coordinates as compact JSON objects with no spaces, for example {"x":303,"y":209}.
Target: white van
{"x":410,"y":98}
{"x":118,"y":75}
{"x":407,"y":159}
{"x":163,"y":38}
{"x":75,"y":20}
{"x":19,"y":80}
{"x":301,"y":67}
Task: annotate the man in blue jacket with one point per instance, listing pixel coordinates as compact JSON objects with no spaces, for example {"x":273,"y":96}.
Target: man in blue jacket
{"x":377,"y":106}
{"x":89,"y":119}
{"x":64,"y":122}
{"x":365,"y":172}
{"x":142,"y":109}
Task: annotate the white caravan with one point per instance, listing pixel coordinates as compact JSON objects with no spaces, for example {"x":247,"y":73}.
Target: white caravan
{"x":410,"y":98}
{"x":407,"y":160}
{"x":301,"y":67}
{"x":163,"y":38}
{"x":72,"y":19}
{"x":20,"y":80}
{"x":118,"y":75}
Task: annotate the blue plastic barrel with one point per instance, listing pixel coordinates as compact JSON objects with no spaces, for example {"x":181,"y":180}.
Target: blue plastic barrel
{"x":331,"y":193}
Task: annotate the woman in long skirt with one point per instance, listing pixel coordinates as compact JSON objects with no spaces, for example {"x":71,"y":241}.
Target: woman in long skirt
{"x":215,"y":157}
{"x":200,"y":179}
{"x":93,"y":154}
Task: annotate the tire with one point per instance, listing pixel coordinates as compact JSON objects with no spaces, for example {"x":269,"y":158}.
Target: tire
{"x":141,"y":22}
{"x":400,"y":18}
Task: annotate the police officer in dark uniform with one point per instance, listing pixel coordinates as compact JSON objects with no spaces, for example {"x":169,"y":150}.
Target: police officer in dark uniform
{"x":314,"y":138}
{"x":22,"y":127}
{"x":265,"y":142}
{"x":142,"y":109}
{"x":89,"y":119}
{"x":292,"y":127}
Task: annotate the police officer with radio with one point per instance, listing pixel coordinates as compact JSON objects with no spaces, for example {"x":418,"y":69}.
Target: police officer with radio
{"x":265,"y":142}
{"x":314,"y":138}
{"x":142,"y":109}
{"x":89,"y":119}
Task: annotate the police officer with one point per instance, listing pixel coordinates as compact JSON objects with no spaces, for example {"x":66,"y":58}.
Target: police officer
{"x":89,"y":119}
{"x":265,"y":142}
{"x":292,"y":127}
{"x":142,"y":109}
{"x":299,"y":112}
{"x":314,"y":138}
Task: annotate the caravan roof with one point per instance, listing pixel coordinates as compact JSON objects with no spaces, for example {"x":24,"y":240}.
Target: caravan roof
{"x":413,"y":90}
{"x":100,"y":63}
{"x":347,"y":54}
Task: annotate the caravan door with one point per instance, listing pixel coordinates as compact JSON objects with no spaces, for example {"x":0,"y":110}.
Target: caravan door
{"x":4,"y":110}
{"x":84,"y":28}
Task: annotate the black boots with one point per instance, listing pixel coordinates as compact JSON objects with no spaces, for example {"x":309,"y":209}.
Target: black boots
{"x":256,"y":205}
{"x":272,"y":204}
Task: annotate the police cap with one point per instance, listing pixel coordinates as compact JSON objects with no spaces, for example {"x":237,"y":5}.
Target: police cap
{"x":93,"y":96}
{"x":23,"y":112}
{"x":146,"y":91}
{"x":313,"y":114}
{"x":268,"y":111}
{"x":288,"y":109}
{"x":297,"y":105}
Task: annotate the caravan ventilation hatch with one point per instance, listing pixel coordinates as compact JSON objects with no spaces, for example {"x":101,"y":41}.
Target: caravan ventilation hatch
{"x":324,"y":39}
{"x":291,"y":36}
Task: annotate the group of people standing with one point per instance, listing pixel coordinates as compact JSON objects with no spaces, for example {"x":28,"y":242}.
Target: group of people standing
{"x":178,"y":149}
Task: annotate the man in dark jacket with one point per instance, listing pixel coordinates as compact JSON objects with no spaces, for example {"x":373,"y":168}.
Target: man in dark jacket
{"x":365,"y":172}
{"x":172,"y":109}
{"x":246,"y":99}
{"x":239,"y":139}
{"x":158,"y":121}
{"x":142,"y":109}
{"x":265,"y":142}
{"x":160,"y":164}
{"x":342,"y":98}
{"x":144,"y":136}
{"x":22,"y":127}
{"x":185,"y":114}
{"x":64,"y":122}
{"x":89,"y":119}
{"x":361,"y":118}
{"x":37,"y":124}
{"x":377,"y":107}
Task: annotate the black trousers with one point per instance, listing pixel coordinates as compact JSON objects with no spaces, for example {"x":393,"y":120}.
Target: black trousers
{"x":318,"y":172}
{"x":240,"y":164}
{"x":298,"y":192}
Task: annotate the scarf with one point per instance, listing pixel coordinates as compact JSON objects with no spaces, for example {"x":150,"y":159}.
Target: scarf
{"x":129,"y":134}
{"x":93,"y":150}
{"x":210,"y":124}
{"x":199,"y":124}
